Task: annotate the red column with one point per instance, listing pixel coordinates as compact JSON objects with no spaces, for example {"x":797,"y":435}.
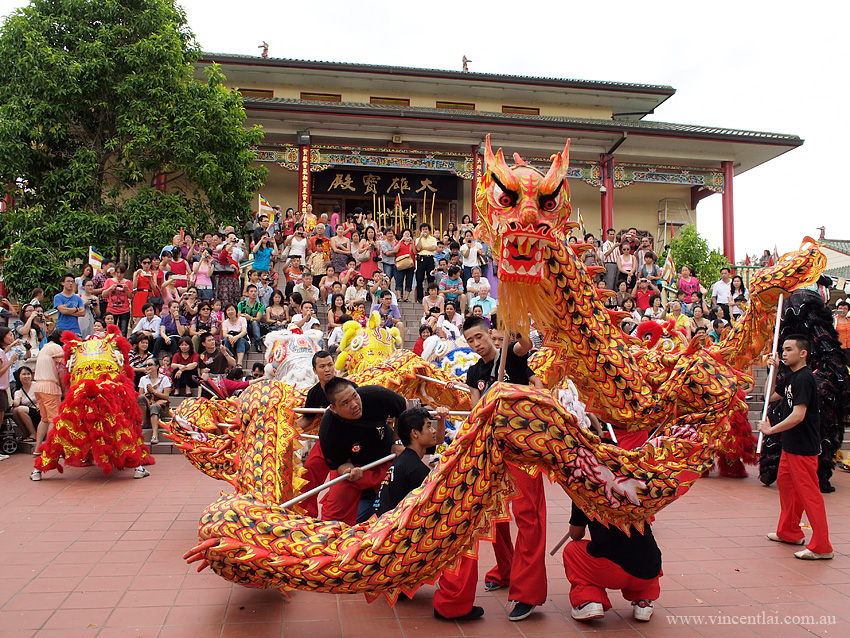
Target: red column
{"x":728,"y":212}
{"x":606,"y":163}
{"x":304,"y":188}
{"x":477,"y":173}
{"x":160,"y":181}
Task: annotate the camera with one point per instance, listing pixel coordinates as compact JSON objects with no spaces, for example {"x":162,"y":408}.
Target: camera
{"x":434,"y":310}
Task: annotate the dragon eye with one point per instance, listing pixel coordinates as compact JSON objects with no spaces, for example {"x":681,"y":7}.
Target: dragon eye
{"x":548,"y":203}
{"x":357,"y":342}
{"x":504,"y":197}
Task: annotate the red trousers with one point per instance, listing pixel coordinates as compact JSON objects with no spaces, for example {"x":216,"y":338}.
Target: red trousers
{"x":342,"y":500}
{"x":590,"y":576}
{"x":456,"y":593}
{"x":523,"y":567}
{"x":317,"y":473}
{"x":799,"y":492}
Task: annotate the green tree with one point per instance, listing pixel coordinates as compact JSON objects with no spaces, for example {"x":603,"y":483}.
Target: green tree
{"x":691,"y":249}
{"x":97,"y":98}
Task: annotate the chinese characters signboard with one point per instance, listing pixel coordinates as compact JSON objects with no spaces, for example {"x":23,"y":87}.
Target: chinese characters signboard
{"x":365,"y":183}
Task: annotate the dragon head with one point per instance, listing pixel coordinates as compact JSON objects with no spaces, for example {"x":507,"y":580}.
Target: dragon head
{"x":95,"y":356}
{"x":521,"y":211}
{"x":362,"y":347}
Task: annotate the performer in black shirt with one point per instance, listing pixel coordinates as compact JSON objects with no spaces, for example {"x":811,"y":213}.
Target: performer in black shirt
{"x":407,"y":472}
{"x":797,"y":480}
{"x":610,"y":560}
{"x":315,"y":465}
{"x":354,"y":432}
{"x":522,"y":568}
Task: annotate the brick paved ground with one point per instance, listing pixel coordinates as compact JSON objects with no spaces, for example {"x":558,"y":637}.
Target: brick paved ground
{"x":85,"y":555}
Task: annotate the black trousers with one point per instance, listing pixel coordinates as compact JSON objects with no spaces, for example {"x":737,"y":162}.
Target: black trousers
{"x":424,"y":268}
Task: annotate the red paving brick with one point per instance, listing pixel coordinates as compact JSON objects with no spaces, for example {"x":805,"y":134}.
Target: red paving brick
{"x":88,"y":555}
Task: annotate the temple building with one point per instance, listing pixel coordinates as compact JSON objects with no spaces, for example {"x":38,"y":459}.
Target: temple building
{"x":349,"y":135}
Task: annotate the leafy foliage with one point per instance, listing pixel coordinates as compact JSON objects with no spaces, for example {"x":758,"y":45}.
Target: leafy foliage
{"x":97,"y":97}
{"x":691,"y":249}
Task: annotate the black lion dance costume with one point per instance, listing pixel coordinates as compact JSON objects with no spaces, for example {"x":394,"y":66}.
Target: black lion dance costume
{"x":806,"y":313}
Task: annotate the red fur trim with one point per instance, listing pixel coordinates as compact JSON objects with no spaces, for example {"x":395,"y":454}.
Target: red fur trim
{"x":651,"y":329}
{"x":99,"y":421}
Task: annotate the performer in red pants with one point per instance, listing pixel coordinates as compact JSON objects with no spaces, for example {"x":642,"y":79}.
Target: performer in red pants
{"x":523,"y":567}
{"x":797,"y":478}
{"x":315,"y":465}
{"x":610,"y":560}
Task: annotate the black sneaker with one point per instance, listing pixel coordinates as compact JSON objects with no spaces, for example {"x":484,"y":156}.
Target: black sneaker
{"x":476,"y":613}
{"x":521,"y":611}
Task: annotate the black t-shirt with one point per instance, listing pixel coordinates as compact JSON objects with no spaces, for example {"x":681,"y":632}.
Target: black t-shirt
{"x":482,"y":375}
{"x":216,"y":362}
{"x":368,"y":438}
{"x":637,"y":554}
{"x":406,"y":474}
{"x":316,"y":397}
{"x":800,"y":388}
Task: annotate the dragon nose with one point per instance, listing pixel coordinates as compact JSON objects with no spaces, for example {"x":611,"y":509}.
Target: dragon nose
{"x":529,"y":214}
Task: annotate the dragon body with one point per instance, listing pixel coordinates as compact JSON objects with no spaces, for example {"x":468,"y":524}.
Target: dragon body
{"x":686,"y":392}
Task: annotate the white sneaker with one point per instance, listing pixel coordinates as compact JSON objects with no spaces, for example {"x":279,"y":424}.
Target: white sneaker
{"x":588,"y":611}
{"x":3,"y":457}
{"x":141,"y":473}
{"x":642,"y":609}
{"x":808,"y":554}
{"x":35,"y":475}
{"x":773,"y":536}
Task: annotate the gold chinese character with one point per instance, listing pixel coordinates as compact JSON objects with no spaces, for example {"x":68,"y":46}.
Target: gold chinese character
{"x":343,"y":182}
{"x":426,"y":183}
{"x":371,"y":182}
{"x":400,"y":184}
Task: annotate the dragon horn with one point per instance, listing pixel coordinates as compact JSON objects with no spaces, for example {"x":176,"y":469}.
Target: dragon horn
{"x":519,"y":161}
{"x":557,"y":172}
{"x":496,"y":164}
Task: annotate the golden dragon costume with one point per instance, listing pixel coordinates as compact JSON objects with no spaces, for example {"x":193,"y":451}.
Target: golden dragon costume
{"x":687,"y":394}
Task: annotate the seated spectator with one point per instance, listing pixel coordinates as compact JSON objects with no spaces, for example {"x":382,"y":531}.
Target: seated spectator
{"x":184,"y":368}
{"x":643,"y":291}
{"x":306,"y":319}
{"x":253,"y":312}
{"x":277,"y":313}
{"x":450,"y":322}
{"x":629,"y":324}
{"x":424,"y":332}
{"x":214,"y":360}
{"x":452,"y":289}
{"x":149,"y":324}
{"x":335,"y":313}
{"x":335,"y":337}
{"x":357,"y":292}
{"x":717,"y":332}
{"x":474,"y":282}
{"x":379,"y":283}
{"x":24,"y":404}
{"x":98,"y":329}
{"x":350,"y":273}
{"x":139,"y":356}
{"x":204,"y":322}
{"x":306,"y":289}
{"x":699,"y":321}
{"x":153,"y":397}
{"x":432,"y":306}
{"x":655,"y":310}
{"x":171,"y":328}
{"x":686,"y":307}
{"x":326,"y":283}
{"x":390,"y":314}
{"x":681,"y":320}
{"x":441,"y":271}
{"x":484,"y":301}
{"x":234,"y":330}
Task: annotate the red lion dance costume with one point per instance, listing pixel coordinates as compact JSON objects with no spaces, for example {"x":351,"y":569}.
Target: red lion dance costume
{"x":99,"y":418}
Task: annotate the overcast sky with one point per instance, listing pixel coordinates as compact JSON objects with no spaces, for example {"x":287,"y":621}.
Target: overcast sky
{"x":768,"y":66}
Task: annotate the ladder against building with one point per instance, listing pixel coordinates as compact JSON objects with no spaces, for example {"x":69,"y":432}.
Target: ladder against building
{"x":672,"y":215}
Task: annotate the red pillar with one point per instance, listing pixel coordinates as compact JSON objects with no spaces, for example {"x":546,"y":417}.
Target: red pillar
{"x":304,"y":177}
{"x":606,"y":163}
{"x":477,"y":174}
{"x":728,"y":212}
{"x":160,"y":182}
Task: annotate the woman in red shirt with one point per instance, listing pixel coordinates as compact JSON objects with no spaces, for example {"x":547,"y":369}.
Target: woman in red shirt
{"x":184,"y":368}
{"x":405,"y":254}
{"x":117,"y":291}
